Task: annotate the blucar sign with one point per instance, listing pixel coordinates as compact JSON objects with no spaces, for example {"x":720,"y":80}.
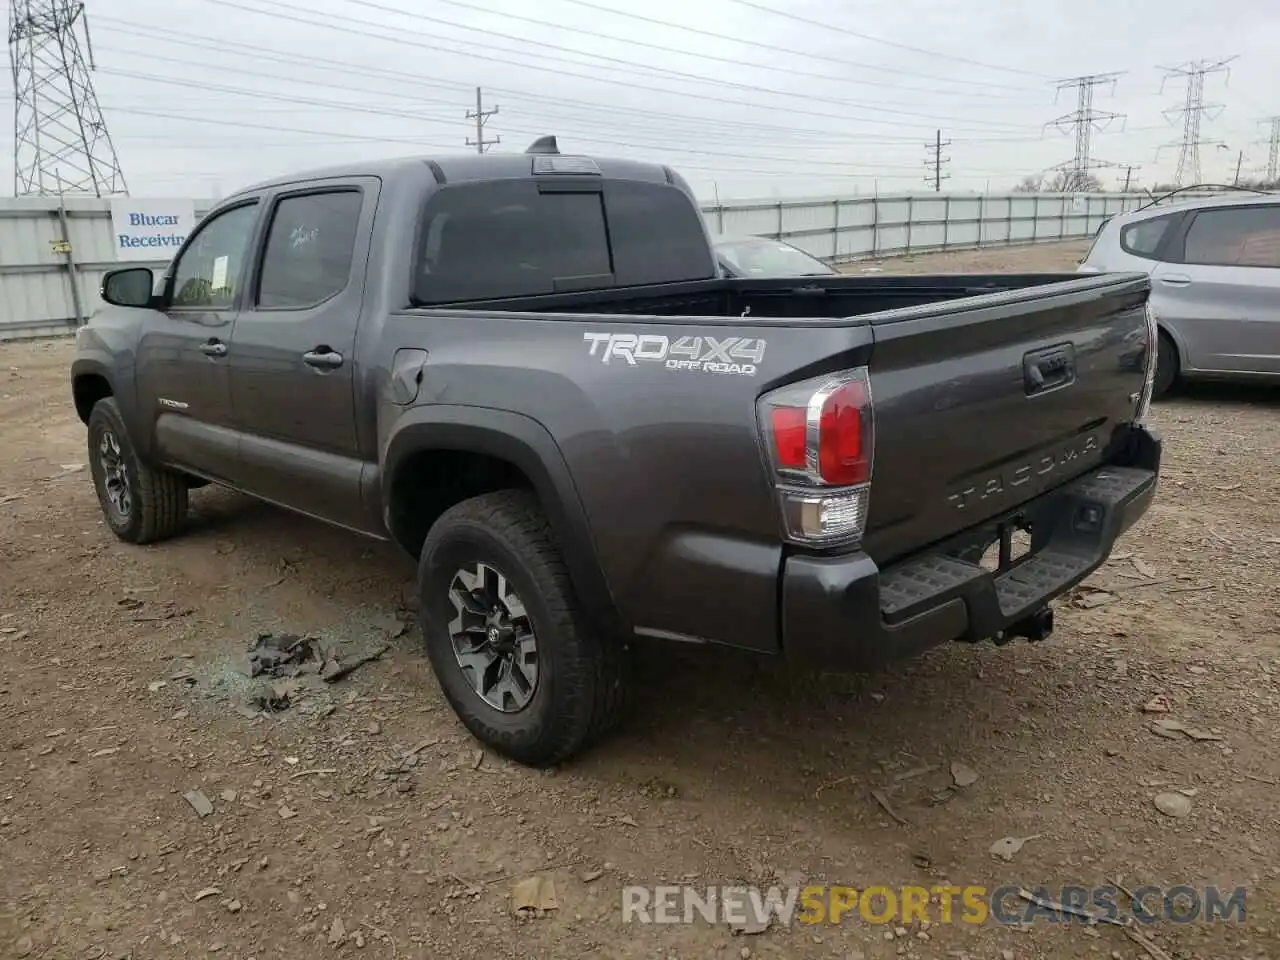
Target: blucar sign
{"x":150,"y":229}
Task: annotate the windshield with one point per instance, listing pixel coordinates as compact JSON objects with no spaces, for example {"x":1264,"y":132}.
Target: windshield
{"x":758,"y":257}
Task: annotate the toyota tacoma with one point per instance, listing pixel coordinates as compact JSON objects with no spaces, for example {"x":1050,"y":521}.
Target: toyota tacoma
{"x":528,"y":371}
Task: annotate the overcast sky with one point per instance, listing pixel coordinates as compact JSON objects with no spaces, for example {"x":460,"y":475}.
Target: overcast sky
{"x":818,"y":97}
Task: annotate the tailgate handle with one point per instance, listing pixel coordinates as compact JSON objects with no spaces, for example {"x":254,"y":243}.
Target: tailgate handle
{"x":1049,"y":369}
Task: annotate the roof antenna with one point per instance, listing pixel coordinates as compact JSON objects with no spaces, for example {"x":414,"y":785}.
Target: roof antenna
{"x":544,"y":145}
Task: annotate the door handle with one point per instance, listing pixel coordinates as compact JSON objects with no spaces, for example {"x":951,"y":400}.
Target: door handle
{"x":1176,"y":280}
{"x":322,"y":358}
{"x":214,"y":348}
{"x":1047,"y":369}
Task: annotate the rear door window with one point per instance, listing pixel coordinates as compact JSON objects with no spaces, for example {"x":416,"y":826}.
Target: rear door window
{"x":310,"y":246}
{"x":1143,"y":239}
{"x":1235,"y":237}
{"x":506,"y":239}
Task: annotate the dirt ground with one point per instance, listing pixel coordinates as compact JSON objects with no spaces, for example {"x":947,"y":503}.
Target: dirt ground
{"x":1046,"y":257}
{"x":363,"y":821}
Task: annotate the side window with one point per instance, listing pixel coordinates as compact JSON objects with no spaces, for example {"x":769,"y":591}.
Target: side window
{"x":208,"y":272}
{"x":1235,"y":236}
{"x":1142,"y":239}
{"x":505,"y":239}
{"x":657,"y":234}
{"x":310,"y":245}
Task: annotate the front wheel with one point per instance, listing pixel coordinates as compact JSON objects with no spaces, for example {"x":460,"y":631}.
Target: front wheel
{"x":140,"y":503}
{"x":506,"y":637}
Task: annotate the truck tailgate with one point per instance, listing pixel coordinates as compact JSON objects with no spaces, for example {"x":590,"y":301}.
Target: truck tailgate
{"x":983,"y":404}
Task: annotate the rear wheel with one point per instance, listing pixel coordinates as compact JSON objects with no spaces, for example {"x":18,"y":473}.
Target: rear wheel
{"x":506,"y":637}
{"x":140,"y":503}
{"x":1167,"y":367}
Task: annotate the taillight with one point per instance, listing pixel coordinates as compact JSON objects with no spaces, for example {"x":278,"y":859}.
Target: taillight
{"x":1153,"y":350}
{"x":843,"y":428}
{"x":821,"y":443}
{"x":789,"y":428}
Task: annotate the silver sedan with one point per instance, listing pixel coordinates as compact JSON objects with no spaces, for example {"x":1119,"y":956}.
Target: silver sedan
{"x":1215,"y":283}
{"x":765,"y":257}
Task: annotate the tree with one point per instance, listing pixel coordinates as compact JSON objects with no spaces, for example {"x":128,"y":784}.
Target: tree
{"x":1062,"y":181}
{"x":1260,"y":183}
{"x":1068,"y":181}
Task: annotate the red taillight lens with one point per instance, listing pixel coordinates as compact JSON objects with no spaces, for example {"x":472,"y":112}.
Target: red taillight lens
{"x":835,"y":449}
{"x":789,"y":427}
{"x":842,"y":440}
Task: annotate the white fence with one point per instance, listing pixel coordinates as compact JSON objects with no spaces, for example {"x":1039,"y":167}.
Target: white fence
{"x":53,"y":255}
{"x":869,"y":227}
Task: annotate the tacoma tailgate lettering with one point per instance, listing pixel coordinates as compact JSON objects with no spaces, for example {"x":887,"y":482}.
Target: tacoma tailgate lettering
{"x":1008,"y":478}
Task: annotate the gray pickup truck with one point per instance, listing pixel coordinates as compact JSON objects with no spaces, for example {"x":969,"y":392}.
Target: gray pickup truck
{"x":528,"y":371}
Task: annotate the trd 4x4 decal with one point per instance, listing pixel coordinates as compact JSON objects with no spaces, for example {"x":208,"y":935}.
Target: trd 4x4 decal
{"x":736,"y":355}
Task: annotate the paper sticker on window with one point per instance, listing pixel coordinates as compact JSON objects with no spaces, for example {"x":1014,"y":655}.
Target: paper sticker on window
{"x":219,"y":280}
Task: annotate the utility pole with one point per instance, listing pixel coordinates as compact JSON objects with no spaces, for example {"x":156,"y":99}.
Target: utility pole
{"x":480,"y":115}
{"x":1273,"y":149}
{"x":1084,"y":121}
{"x":1193,"y":110}
{"x":1239,"y":161}
{"x":57,"y":124}
{"x":1128,"y":175}
{"x":935,"y":161}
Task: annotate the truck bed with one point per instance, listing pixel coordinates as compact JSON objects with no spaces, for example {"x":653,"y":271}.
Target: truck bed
{"x":959,"y":437}
{"x":842,"y":299}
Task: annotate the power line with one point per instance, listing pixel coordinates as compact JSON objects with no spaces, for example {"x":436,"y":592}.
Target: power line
{"x":1084,"y":121}
{"x":60,"y":139}
{"x":700,"y":54}
{"x":785,"y":162}
{"x":408,"y":81}
{"x":1193,"y":110}
{"x":480,"y":115}
{"x":367,"y":139}
{"x":935,"y":161}
{"x":863,"y":36}
{"x":365,"y":108}
{"x":421,"y":40}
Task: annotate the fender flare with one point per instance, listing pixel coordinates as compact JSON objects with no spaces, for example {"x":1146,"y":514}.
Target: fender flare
{"x":528,"y":445}
{"x":102,"y":364}
{"x":92,"y":366}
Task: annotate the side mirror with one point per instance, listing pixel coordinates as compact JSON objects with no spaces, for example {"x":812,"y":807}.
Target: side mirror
{"x":128,"y":287}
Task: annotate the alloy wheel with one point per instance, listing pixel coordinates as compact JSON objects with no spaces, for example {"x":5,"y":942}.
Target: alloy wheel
{"x":493,"y":639}
{"x":115,"y":476}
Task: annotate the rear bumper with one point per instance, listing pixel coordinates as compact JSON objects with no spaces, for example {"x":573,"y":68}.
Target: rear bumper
{"x":845,"y":613}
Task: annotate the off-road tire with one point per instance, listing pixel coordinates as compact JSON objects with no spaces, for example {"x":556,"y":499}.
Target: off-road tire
{"x":584,"y":679}
{"x":1167,"y":367}
{"x":159,"y":497}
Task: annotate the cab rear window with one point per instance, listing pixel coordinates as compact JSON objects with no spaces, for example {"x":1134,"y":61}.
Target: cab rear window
{"x":504,"y":239}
